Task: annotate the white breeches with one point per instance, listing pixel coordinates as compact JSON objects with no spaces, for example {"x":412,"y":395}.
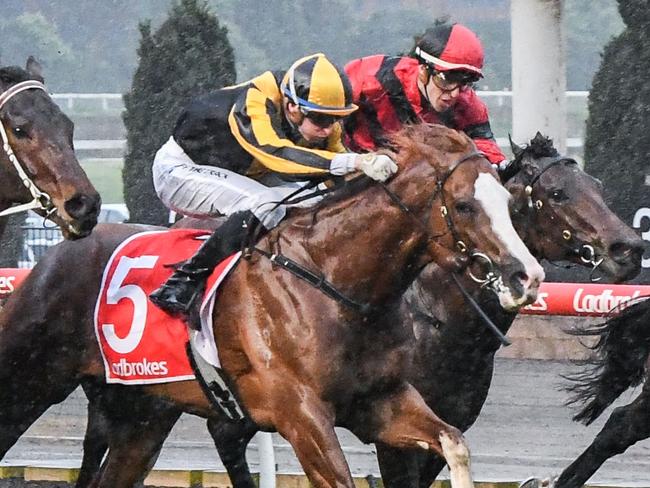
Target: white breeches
{"x":207,"y":191}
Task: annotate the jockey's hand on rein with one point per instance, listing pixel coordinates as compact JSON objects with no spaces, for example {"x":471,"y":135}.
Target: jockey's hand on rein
{"x":379,"y":167}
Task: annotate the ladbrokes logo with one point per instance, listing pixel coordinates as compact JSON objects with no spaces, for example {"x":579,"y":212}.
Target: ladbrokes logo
{"x":7,"y":284}
{"x":141,"y":368}
{"x":601,"y":303}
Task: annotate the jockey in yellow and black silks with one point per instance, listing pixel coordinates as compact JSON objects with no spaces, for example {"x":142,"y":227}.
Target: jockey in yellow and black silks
{"x":241,"y":149}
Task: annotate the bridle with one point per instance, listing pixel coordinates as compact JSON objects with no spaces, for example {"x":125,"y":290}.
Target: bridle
{"x":318,"y":281}
{"x":491,"y":280}
{"x":490,"y":277}
{"x":585,"y":252}
{"x":40,"y":199}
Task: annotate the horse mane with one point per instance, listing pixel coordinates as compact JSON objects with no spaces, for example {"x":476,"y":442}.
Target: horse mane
{"x":10,"y":75}
{"x":426,"y":141}
{"x":539,"y":147}
{"x":412,"y":143}
{"x":622,"y":347}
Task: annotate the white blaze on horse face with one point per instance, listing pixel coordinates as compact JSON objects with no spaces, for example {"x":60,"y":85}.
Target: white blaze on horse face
{"x":494,"y":199}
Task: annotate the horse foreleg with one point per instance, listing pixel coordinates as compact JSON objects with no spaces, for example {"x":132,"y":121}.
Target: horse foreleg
{"x":134,"y":445}
{"x":625,"y":426}
{"x":95,"y":444}
{"x":406,"y":422}
{"x":231,"y":439}
{"x":401,"y":468}
{"x":398,"y":467}
{"x":308,"y":425}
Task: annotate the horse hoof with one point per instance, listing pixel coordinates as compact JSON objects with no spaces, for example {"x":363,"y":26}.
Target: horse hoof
{"x":533,"y":482}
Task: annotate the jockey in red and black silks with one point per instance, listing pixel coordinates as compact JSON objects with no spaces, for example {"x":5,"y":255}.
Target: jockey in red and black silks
{"x":434,"y":86}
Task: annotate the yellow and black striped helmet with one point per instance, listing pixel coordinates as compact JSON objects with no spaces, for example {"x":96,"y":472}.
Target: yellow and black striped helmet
{"x":315,"y":84}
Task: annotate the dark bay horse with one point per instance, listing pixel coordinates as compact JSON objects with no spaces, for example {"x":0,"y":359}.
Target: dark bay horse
{"x":273,"y":330}
{"x":38,"y":166}
{"x":622,"y":361}
{"x":558,"y":210}
{"x":559,"y":217}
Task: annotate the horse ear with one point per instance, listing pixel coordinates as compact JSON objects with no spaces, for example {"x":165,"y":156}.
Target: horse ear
{"x":34,"y":68}
{"x":516,"y":150}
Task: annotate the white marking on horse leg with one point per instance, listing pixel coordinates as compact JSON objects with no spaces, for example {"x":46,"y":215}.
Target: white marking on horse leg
{"x":457,"y":456}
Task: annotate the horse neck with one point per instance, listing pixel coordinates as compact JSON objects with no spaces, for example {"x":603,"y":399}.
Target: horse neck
{"x":365,"y":244}
{"x":12,"y":189}
{"x":459,"y":327}
{"x":3,"y":226}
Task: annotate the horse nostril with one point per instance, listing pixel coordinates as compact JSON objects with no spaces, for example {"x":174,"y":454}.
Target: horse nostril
{"x":82,"y":206}
{"x":627,"y":250}
{"x":519,"y":279}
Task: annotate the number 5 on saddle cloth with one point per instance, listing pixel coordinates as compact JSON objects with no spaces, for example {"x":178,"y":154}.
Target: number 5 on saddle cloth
{"x":141,"y":344}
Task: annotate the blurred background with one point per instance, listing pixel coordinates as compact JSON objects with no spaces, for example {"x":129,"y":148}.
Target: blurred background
{"x":122,"y":70}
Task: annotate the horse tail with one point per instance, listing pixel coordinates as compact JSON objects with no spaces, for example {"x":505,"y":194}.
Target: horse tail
{"x":621,"y":351}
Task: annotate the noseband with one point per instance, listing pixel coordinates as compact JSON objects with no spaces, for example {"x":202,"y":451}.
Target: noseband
{"x":491,"y":280}
{"x":585,"y":252}
{"x":40,"y":200}
{"x":490,"y":277}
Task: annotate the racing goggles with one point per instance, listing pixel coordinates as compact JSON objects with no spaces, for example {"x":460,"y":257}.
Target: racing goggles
{"x":448,"y":81}
{"x":320,"y":119}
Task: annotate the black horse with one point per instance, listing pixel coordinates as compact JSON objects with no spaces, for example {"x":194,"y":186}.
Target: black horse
{"x":554,"y":206}
{"x":622,"y":361}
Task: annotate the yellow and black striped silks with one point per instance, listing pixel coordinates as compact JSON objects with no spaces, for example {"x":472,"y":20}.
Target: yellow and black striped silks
{"x":256,"y":122}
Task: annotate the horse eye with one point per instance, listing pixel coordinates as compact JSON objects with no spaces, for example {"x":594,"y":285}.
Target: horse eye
{"x":19,"y":132}
{"x":558,"y":195}
{"x":464,"y":208}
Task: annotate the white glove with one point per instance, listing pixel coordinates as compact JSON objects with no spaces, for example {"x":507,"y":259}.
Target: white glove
{"x":502,"y":165}
{"x":378,"y":166}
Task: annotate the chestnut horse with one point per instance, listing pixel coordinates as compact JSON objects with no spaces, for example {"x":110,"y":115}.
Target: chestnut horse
{"x":38,"y":167}
{"x":622,"y":361}
{"x":554,"y":206}
{"x":274,"y":332}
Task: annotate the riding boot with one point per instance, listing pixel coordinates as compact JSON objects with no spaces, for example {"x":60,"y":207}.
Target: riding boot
{"x":185,"y":286}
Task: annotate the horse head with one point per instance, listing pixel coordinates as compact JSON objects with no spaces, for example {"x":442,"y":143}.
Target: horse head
{"x":37,"y":161}
{"x":560,"y":211}
{"x":468,"y":210}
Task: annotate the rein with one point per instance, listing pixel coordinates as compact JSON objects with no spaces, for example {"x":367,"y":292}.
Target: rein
{"x":318,"y":281}
{"x":40,"y":200}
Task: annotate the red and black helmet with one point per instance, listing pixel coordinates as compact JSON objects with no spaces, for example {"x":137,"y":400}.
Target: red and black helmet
{"x":451,"y":47}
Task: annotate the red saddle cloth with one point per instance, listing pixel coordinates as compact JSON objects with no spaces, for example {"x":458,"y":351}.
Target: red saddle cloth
{"x":140,"y":343}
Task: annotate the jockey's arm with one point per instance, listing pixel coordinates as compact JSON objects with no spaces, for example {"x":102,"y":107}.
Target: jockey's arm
{"x":251,"y":123}
{"x":489,"y":147}
{"x":472,"y":118}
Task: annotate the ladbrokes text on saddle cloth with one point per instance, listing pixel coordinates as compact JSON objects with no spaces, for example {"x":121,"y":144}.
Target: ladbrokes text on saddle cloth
{"x":141,"y":344}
